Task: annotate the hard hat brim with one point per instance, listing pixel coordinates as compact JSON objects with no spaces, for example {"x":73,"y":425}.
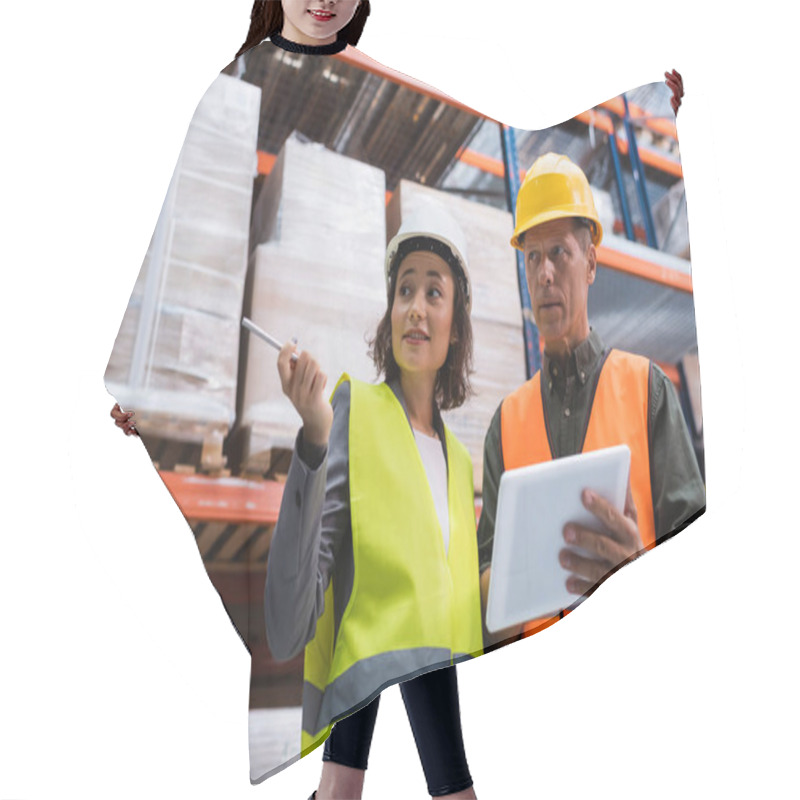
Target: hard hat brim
{"x":548,"y":216}
{"x":394,"y":246}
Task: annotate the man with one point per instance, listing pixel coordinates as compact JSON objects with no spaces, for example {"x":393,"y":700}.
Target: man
{"x":585,"y":397}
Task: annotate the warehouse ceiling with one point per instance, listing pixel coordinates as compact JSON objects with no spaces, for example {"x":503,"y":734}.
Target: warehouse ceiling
{"x":358,"y":114}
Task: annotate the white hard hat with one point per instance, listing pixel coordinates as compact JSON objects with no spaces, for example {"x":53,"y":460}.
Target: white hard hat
{"x":434,"y":224}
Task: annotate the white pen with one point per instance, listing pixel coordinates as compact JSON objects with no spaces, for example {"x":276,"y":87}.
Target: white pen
{"x":271,"y":340}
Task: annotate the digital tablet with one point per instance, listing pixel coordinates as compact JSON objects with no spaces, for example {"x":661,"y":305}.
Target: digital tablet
{"x":533,"y":506}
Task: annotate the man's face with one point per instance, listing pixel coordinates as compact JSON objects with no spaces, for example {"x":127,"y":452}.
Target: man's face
{"x":559,"y":269}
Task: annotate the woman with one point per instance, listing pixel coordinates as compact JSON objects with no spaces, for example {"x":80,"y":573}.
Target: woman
{"x":373,"y":563}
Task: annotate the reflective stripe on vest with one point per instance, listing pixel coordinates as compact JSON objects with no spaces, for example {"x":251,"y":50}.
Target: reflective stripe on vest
{"x":412,"y":607}
{"x":619,"y":415}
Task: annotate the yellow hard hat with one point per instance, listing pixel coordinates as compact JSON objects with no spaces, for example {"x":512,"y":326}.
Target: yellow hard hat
{"x":554,"y":188}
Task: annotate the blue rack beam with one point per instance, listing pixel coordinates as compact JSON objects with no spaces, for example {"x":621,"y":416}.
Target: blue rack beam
{"x":533,"y":361}
{"x":638,"y":177}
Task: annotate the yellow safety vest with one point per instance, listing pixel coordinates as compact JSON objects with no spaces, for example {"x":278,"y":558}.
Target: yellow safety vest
{"x":412,"y":606}
{"x":619,"y":415}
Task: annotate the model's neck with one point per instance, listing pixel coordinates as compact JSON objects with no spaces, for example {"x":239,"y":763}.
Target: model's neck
{"x":315,"y":48}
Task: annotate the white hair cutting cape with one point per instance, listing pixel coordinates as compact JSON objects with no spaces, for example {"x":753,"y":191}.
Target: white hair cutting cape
{"x":297,"y":169}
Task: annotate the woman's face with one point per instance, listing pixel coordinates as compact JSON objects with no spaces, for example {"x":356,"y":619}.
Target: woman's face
{"x":422,"y":313}
{"x":315,"y":22}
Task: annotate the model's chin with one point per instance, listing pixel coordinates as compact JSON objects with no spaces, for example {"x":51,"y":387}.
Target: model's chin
{"x":320,"y":31}
{"x":326,"y":27}
{"x":412,"y":360}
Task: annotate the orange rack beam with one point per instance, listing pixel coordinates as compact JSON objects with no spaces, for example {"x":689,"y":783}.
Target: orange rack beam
{"x":656,"y":124}
{"x":633,"y":265}
{"x":232,"y":500}
{"x":485,"y":163}
{"x":358,"y":59}
{"x":648,"y":156}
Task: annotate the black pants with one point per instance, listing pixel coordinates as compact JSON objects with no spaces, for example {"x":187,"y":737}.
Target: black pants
{"x":432,"y":706}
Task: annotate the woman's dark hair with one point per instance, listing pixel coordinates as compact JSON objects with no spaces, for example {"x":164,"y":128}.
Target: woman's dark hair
{"x":266,"y":19}
{"x":452,"y":386}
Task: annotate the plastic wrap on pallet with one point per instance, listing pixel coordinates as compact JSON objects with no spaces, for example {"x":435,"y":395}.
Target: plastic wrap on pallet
{"x":320,"y":278}
{"x":333,"y":325}
{"x":318,"y":202}
{"x":175,"y":359}
{"x":499,"y":356}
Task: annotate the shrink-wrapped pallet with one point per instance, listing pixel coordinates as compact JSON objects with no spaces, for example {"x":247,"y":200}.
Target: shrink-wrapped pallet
{"x":176,"y":356}
{"x":322,"y":205}
{"x":319,"y":278}
{"x":499,"y":352}
{"x":333,"y":323}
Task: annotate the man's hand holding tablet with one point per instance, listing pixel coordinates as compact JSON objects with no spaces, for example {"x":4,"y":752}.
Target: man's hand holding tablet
{"x":618,"y":544}
{"x":562,"y":526}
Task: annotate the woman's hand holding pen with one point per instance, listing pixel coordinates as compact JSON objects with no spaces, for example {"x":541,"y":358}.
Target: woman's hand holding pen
{"x":303,"y":382}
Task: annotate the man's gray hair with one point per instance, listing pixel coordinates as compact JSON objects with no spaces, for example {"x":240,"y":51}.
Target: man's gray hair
{"x":583,"y":228}
{"x":584,"y":231}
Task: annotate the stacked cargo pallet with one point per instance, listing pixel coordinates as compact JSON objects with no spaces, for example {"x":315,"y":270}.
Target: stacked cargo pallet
{"x":175,"y":359}
{"x":318,"y":239}
{"x":499,"y":357}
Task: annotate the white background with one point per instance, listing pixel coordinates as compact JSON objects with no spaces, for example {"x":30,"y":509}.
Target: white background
{"x":120,"y":674}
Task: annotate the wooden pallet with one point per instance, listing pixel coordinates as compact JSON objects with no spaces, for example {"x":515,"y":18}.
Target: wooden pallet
{"x":272,"y":463}
{"x":195,"y":448}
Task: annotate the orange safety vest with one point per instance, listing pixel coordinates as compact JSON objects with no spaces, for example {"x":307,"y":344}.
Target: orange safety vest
{"x":619,"y":415}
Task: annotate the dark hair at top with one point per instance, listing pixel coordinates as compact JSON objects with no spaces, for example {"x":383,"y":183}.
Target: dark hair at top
{"x":452,"y":386}
{"x":266,"y":19}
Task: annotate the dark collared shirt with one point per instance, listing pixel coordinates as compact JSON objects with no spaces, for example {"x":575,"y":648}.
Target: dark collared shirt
{"x":678,"y":490}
